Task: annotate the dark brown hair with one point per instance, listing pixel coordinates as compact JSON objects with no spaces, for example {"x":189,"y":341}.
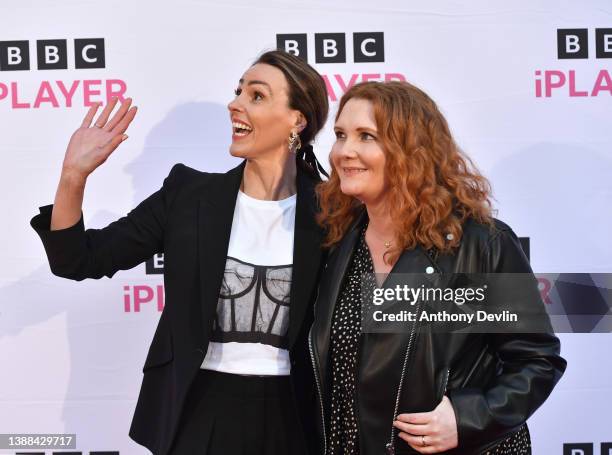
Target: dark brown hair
{"x":433,"y":186}
{"x":307,"y":92}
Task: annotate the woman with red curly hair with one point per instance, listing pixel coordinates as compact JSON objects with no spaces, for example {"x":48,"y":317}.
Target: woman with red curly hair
{"x":403,"y":198}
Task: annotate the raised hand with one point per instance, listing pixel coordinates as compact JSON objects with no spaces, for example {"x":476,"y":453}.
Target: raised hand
{"x":90,"y":146}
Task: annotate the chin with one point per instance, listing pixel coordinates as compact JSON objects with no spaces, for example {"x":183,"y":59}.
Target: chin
{"x":238,"y":152}
{"x":350,"y":190}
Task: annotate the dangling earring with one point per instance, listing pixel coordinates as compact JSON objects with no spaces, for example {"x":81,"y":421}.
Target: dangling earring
{"x":295,"y":143}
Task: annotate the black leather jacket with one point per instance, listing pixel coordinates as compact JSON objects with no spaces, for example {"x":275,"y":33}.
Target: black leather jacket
{"x":494,"y":381}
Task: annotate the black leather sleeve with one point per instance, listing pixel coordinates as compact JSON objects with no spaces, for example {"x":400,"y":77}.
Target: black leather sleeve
{"x":532,"y":365}
{"x":77,"y":253}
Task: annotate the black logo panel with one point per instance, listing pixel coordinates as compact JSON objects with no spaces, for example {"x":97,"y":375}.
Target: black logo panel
{"x":603,"y":42}
{"x":89,"y":53}
{"x":52,"y":54}
{"x":572,"y":43}
{"x":369,"y":47}
{"x":294,"y":43}
{"x":330,"y":48}
{"x":14,"y":56}
{"x":585,"y":448}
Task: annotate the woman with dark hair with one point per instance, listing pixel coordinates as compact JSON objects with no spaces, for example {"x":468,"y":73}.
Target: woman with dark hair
{"x":228,"y":370}
{"x":403,"y":198}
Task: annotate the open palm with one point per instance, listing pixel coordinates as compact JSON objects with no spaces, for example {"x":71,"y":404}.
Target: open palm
{"x":90,"y":146}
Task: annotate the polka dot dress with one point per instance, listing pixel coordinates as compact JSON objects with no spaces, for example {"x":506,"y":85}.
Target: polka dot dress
{"x":518,"y":443}
{"x":345,"y":331}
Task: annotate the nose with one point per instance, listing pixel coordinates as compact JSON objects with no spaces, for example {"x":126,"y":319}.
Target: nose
{"x":346,"y":149}
{"x":234,"y":105}
{"x":342,"y":152}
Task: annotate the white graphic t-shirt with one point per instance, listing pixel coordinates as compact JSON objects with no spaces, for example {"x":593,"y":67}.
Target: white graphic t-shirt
{"x":249,"y":334}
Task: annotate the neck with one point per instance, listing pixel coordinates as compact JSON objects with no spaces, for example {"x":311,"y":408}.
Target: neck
{"x":270,"y":179}
{"x":380,"y":222}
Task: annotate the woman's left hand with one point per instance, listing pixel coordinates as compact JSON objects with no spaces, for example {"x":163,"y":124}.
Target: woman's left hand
{"x":430,"y":432}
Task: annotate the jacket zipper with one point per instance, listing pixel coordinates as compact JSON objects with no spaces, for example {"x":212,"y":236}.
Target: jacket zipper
{"x":358,"y":420}
{"x":390,"y":446}
{"x":445,"y":383}
{"x":319,"y":391}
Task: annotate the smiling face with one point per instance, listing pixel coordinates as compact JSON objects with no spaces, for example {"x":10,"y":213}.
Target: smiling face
{"x":261,"y":118}
{"x":357,"y":155}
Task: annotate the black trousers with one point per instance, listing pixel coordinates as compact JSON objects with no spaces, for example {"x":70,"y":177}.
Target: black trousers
{"x":229,"y":414}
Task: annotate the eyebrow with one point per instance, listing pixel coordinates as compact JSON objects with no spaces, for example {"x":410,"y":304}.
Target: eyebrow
{"x":255,"y":82}
{"x":359,"y":129}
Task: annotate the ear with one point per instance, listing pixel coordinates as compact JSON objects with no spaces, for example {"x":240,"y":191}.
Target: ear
{"x":300,"y":122}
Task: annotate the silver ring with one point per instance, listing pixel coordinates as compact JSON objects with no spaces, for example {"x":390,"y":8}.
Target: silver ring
{"x":423,"y":443}
{"x":96,"y":126}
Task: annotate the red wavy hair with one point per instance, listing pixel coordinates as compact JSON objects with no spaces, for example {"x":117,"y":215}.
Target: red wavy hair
{"x":433,"y":186}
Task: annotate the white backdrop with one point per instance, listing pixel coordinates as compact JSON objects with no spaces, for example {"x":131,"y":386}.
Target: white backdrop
{"x":70,"y":353}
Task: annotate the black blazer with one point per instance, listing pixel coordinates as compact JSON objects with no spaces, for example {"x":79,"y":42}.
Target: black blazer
{"x":189,"y":219}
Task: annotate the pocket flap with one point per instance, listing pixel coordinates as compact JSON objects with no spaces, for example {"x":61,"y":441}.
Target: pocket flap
{"x":160,"y":351}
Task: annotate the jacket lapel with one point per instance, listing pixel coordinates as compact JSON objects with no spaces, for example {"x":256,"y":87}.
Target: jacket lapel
{"x":215,"y":215}
{"x":306,"y":254}
{"x":329,"y":291}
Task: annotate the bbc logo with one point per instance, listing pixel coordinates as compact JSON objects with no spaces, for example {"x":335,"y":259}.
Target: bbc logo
{"x":586,"y":448}
{"x":573,"y":43}
{"x":52,"y":54}
{"x":332,"y":47}
{"x":155,"y":265}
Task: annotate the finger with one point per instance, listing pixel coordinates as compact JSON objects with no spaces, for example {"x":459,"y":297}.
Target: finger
{"x":125,"y":121}
{"x":90,"y":115}
{"x":106,"y":113}
{"x":416,"y":442}
{"x":415,"y":417}
{"x":118,"y":115}
{"x":416,"y":429}
{"x":113,"y":144}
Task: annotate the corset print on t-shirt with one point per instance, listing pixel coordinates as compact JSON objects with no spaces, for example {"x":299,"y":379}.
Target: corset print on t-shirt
{"x":253,"y":304}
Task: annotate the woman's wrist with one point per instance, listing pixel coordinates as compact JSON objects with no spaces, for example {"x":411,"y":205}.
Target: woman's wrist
{"x":72,"y":178}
